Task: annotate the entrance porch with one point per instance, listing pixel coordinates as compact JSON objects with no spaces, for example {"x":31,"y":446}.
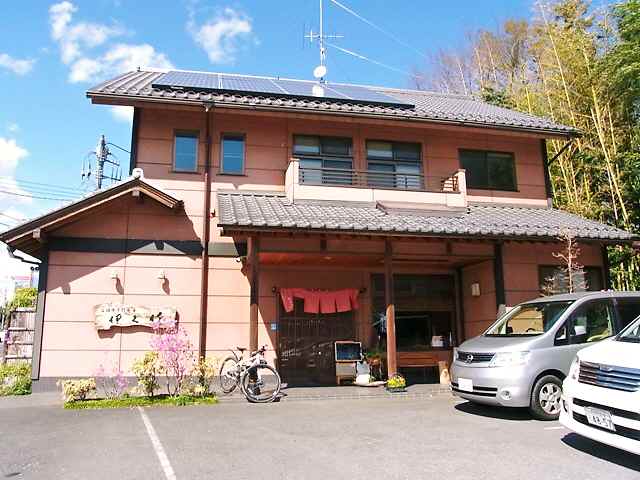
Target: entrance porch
{"x":410,"y":300}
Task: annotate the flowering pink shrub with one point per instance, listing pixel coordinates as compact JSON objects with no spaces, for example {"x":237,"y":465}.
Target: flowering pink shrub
{"x":175,"y":352}
{"x":112,"y":381}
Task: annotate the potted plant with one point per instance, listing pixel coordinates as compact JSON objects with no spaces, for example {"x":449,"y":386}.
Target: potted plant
{"x":396,"y":384}
{"x":376,"y":359}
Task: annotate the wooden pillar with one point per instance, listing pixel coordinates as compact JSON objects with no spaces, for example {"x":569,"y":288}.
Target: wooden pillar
{"x":606,"y":268}
{"x":547,"y":175}
{"x":36,"y":354}
{"x":498,"y":275}
{"x":254,"y":245}
{"x":392,"y":358}
{"x":459,"y":330}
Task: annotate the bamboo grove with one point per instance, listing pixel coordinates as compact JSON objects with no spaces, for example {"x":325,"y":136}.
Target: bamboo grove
{"x":579,"y":66}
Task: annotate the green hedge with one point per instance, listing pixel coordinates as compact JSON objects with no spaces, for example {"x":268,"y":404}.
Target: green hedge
{"x":15,"y":379}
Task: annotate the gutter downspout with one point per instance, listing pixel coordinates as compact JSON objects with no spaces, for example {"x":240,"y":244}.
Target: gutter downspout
{"x":133,"y":156}
{"x":206,"y":216}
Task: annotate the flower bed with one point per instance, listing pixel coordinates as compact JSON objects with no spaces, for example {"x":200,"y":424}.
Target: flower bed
{"x":130,"y":402}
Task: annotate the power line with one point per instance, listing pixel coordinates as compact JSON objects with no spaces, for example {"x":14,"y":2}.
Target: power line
{"x":37,"y":197}
{"x":12,"y":217}
{"x":29,"y":191}
{"x":376,"y":62}
{"x":48,"y":185}
{"x":39,"y":190}
{"x":380,"y":29}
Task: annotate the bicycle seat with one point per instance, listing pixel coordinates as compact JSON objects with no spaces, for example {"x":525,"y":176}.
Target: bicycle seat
{"x":241,"y":349}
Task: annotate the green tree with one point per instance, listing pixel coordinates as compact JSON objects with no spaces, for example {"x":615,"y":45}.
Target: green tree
{"x":23,"y":298}
{"x":581,"y":67}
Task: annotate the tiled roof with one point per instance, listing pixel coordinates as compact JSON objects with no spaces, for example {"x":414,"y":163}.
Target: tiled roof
{"x":429,"y":106}
{"x":21,"y":236}
{"x":256,"y":210}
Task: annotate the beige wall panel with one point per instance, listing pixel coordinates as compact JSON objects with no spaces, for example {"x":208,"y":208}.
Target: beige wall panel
{"x":76,"y":307}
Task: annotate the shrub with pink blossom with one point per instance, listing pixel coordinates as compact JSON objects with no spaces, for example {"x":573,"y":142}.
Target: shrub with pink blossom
{"x":111,"y":380}
{"x":175,"y":352}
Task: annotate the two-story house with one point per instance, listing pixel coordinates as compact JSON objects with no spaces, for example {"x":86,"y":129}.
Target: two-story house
{"x":296,"y":214}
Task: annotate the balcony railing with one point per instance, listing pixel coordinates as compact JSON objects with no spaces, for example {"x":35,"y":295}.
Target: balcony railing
{"x":376,"y":179}
{"x":391,"y":188}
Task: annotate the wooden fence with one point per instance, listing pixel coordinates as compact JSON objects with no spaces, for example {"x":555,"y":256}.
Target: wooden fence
{"x":19,"y":326}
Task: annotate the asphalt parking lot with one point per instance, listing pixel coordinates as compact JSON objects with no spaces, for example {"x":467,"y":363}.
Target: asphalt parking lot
{"x":311,"y":439}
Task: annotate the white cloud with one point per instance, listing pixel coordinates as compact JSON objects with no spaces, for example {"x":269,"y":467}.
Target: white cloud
{"x":13,"y":127}
{"x":75,"y":38}
{"x":220,"y":37}
{"x":78,"y":42}
{"x":122,"y":113}
{"x":17,"y":66}
{"x":10,"y":154}
{"x":118,"y":59}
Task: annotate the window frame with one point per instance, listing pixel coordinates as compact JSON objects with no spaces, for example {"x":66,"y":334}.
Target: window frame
{"x":586,"y":268}
{"x":396,"y":161}
{"x":323,"y":158}
{"x":321,"y":155}
{"x":616,"y":303}
{"x":485,"y":153}
{"x":185,"y":133}
{"x":570,"y":322}
{"x":236,"y":135}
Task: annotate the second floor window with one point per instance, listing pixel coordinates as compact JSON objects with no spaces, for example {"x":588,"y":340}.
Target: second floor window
{"x":185,"y":152}
{"x":324,"y":160}
{"x":489,"y":170}
{"x":394,"y":165}
{"x":233,"y":153}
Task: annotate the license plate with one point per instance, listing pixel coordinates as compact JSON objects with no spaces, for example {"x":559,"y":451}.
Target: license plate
{"x":600,"y":418}
{"x":465,"y":384}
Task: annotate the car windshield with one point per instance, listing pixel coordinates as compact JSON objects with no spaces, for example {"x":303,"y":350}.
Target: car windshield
{"x":631,"y":334}
{"x":528,"y":319}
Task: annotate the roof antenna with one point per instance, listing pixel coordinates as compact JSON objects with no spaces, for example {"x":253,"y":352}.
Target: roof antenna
{"x":321,"y":70}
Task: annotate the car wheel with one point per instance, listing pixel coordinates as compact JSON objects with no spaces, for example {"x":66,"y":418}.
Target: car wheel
{"x":546,"y":398}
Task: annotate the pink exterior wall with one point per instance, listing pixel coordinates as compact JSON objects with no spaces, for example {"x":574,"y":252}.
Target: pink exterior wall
{"x":522,"y":260}
{"x":78,"y":281}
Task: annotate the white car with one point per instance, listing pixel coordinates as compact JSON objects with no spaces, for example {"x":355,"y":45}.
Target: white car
{"x":601,"y":394}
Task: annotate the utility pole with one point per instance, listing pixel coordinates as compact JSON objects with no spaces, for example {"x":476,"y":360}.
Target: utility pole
{"x":103,"y":158}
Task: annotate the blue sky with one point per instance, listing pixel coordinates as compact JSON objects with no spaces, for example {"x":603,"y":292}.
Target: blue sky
{"x":51,"y":52}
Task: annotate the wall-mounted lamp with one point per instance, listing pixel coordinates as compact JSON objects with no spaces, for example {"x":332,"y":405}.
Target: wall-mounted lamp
{"x":475,"y":289}
{"x":114,"y":275}
{"x":161,"y":275}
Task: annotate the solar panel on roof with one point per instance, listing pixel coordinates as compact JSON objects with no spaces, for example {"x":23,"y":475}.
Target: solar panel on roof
{"x":305,"y":89}
{"x":204,"y":81}
{"x":284,"y":88}
{"x":363,"y":93}
{"x":250,"y":84}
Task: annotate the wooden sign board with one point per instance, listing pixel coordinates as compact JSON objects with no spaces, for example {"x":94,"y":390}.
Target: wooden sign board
{"x":108,"y":315}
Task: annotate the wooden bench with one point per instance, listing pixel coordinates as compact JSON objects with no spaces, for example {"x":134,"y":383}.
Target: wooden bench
{"x":424,"y":360}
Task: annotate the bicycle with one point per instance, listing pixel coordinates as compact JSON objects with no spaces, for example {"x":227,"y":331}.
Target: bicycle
{"x":258,"y":380}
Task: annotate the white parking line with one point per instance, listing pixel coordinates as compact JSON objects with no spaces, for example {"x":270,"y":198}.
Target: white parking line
{"x":157,"y":446}
{"x":554,"y":428}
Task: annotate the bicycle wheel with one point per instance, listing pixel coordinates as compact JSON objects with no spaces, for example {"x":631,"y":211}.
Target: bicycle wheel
{"x":228,"y":374}
{"x":261,"y":384}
